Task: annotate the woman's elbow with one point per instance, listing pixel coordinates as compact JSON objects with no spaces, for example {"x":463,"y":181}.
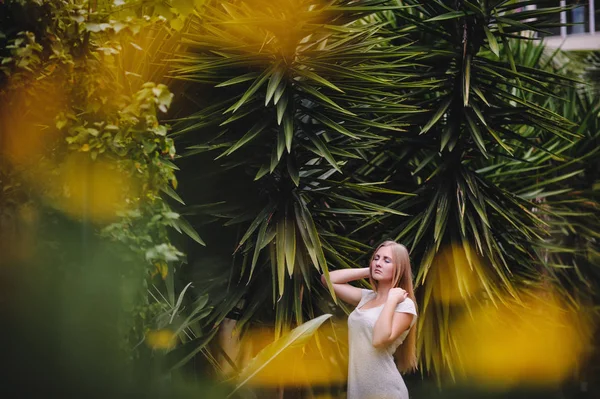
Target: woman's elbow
{"x":379,"y":343}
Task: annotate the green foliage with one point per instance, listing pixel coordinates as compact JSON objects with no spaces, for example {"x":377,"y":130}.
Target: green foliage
{"x":307,"y":132}
{"x":74,"y":64}
{"x":488,"y":153}
{"x":425,"y":122}
{"x":285,"y":120}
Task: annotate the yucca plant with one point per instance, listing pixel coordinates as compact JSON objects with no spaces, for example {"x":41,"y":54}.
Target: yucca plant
{"x":477,"y":159}
{"x":572,"y":204}
{"x":289,"y":95}
{"x":312,"y":130}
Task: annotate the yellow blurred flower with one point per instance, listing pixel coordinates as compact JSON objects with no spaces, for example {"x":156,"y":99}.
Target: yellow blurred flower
{"x":537,"y":342}
{"x":281,"y":27}
{"x":92,"y":189}
{"x":320,"y":361}
{"x":456,"y":274}
{"x":27,"y":121}
{"x":161,"y":339}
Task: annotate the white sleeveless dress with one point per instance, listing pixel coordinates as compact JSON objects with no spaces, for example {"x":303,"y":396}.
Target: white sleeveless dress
{"x":372,"y":372}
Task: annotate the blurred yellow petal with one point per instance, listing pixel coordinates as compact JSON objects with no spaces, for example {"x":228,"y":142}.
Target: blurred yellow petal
{"x":95,"y":190}
{"x":538,"y":342}
{"x":455,"y":274}
{"x":27,"y":121}
{"x":320,"y":360}
{"x":281,"y":28}
{"x":161,"y":339}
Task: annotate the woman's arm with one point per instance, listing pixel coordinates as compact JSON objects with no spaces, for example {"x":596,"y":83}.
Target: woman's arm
{"x":391,"y":324}
{"x":340,"y":278}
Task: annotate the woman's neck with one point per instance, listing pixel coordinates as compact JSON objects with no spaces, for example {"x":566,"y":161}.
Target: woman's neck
{"x":383,"y":291}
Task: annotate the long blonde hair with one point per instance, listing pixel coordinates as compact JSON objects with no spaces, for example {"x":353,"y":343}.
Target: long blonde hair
{"x":406,"y":354}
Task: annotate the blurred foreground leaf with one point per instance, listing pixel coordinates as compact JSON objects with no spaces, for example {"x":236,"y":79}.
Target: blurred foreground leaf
{"x":297,"y":336}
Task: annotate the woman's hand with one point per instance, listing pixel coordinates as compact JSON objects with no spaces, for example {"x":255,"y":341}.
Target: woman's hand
{"x":397,"y":295}
{"x":339,"y":280}
{"x":390,"y":323}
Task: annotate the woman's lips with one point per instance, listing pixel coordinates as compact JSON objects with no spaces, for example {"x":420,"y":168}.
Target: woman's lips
{"x":377,"y":271}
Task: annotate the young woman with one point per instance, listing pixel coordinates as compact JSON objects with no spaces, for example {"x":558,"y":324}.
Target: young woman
{"x":381,"y":323}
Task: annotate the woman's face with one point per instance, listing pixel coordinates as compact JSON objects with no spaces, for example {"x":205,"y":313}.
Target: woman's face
{"x":382,"y":267}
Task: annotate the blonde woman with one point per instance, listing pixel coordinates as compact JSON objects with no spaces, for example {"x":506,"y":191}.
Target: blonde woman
{"x":381,"y":325}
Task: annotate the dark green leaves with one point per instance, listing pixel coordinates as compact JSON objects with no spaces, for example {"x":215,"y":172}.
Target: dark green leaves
{"x":429,"y":123}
